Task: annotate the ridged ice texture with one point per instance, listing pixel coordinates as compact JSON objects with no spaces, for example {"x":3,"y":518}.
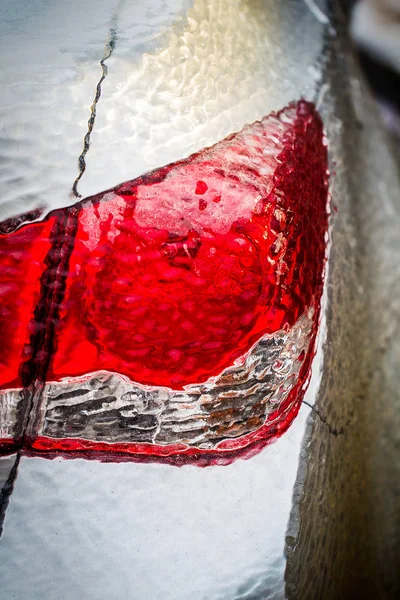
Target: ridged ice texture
{"x":108,"y":407}
{"x":222,"y":65}
{"x":9,"y":405}
{"x":181,"y":77}
{"x":49,"y":70}
{"x":48,"y":74}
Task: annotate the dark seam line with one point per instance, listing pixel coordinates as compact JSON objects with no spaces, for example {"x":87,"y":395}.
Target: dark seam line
{"x":108,"y":50}
{"x":46,"y":318}
{"x":42,"y":340}
{"x":7,"y":490}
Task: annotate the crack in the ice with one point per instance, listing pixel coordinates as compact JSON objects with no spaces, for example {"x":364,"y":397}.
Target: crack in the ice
{"x":333,"y":430}
{"x":108,"y":50}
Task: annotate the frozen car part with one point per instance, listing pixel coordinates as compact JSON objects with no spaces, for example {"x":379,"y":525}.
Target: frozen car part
{"x":177,"y":312}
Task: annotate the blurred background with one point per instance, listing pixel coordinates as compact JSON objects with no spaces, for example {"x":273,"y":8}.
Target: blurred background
{"x":375,"y":28}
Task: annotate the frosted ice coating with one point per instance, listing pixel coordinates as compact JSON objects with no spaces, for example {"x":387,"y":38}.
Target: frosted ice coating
{"x":108,"y":407}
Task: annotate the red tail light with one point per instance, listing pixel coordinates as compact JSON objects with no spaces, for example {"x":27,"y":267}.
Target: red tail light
{"x":174,"y":315}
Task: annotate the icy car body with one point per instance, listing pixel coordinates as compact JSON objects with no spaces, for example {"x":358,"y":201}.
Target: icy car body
{"x":162,"y":296}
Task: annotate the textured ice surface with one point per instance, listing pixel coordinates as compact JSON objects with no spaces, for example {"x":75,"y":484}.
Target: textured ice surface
{"x":181,"y":77}
{"x":9,"y":402}
{"x":225,"y":64}
{"x":49,"y":69}
{"x":99,"y":531}
{"x":106,"y":407}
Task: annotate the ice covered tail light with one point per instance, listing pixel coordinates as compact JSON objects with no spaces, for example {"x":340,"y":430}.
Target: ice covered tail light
{"x":173,"y":316}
